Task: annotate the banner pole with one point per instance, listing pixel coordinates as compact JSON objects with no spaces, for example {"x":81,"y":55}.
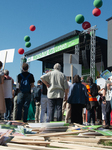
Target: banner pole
{"x":5,"y":60}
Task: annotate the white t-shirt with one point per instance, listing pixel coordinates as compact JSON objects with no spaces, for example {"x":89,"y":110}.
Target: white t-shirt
{"x":58,"y":84}
{"x":108,"y":95}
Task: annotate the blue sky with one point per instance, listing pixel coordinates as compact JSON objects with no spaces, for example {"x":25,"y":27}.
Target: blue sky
{"x":52,"y":18}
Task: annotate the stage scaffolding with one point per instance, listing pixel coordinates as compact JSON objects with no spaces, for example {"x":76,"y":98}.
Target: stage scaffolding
{"x":91,"y":31}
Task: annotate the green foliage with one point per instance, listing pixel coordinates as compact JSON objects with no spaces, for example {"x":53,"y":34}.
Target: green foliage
{"x":106,"y":143}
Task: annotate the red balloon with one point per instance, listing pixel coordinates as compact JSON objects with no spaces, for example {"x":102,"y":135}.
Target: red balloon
{"x":96,"y":12}
{"x":86,"y":25}
{"x":32,"y":28}
{"x":21,"y":51}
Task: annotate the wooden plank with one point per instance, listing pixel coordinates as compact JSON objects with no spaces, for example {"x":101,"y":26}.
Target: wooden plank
{"x":34,"y":138}
{"x":56,"y":144}
{"x":90,"y":144}
{"x":21,"y":146}
{"x":35,"y":128}
{"x":6,"y":148}
{"x":12,"y":148}
{"x":88,"y":140}
{"x":75,"y":136}
{"x":82,"y":147}
{"x":31,"y":135}
{"x":62,"y":133}
{"x":29,"y":142}
{"x":103,"y":137}
{"x":77,"y":146}
{"x":84,"y":144}
{"x":79,"y":125}
{"x":70,"y":58}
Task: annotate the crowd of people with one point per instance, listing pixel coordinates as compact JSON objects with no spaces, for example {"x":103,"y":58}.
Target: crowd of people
{"x":80,"y":102}
{"x":6,"y":84}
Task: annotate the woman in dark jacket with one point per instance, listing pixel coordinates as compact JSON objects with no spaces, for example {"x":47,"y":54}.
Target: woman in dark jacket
{"x":77,"y":97}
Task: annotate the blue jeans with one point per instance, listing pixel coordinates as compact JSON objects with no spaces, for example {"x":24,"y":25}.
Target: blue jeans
{"x":44,"y":107}
{"x":58,"y":103}
{"x":23,"y":101}
{"x":107,"y":113}
{"x":91,"y":114}
{"x":8,"y":103}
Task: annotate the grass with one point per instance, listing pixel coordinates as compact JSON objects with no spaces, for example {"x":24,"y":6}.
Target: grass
{"x":106,"y":143}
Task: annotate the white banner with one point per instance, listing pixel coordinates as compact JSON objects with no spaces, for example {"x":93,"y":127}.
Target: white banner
{"x":10,"y":55}
{"x":7,"y":88}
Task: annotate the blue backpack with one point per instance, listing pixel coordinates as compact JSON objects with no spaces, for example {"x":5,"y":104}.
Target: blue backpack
{"x":25,"y":85}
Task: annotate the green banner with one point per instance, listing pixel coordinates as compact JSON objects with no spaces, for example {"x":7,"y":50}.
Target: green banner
{"x":56,"y":48}
{"x":66,"y":44}
{"x":105,"y":132}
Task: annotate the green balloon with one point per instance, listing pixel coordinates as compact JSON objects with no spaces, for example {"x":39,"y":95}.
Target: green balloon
{"x":27,"y":38}
{"x":24,"y":60}
{"x":79,"y":18}
{"x":97,"y":3}
{"x":27,"y":44}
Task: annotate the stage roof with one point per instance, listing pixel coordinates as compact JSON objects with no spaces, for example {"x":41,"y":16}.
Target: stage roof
{"x":84,"y":43}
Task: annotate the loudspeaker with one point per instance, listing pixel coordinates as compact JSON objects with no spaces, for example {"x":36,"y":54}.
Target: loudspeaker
{"x":86,"y":58}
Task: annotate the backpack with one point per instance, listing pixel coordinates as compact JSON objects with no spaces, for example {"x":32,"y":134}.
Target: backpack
{"x":37,"y":93}
{"x":94,"y":90}
{"x":25,"y":85}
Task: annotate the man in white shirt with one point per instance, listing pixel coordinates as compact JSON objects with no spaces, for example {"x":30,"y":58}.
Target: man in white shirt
{"x":57,"y":85}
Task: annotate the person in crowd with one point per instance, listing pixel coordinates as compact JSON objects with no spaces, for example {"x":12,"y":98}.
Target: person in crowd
{"x":15,"y":100}
{"x":103,"y":104}
{"x":2,"y":100}
{"x":99,"y":108}
{"x":97,"y":77}
{"x":13,"y":95}
{"x":66,"y":106}
{"x":82,"y":79}
{"x":103,"y":107}
{"x":37,"y":99}
{"x":15,"y":104}
{"x":26,"y":82}
{"x":92,"y":101}
{"x":83,"y":82}
{"x":108,"y":84}
{"x":84,"y":109}
{"x":57,"y":85}
{"x":6,"y":76}
{"x":107,"y":98}
{"x":8,"y":100}
{"x":31,"y":110}
{"x":77,"y":97}
{"x":44,"y":116}
{"x":84,"y":116}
